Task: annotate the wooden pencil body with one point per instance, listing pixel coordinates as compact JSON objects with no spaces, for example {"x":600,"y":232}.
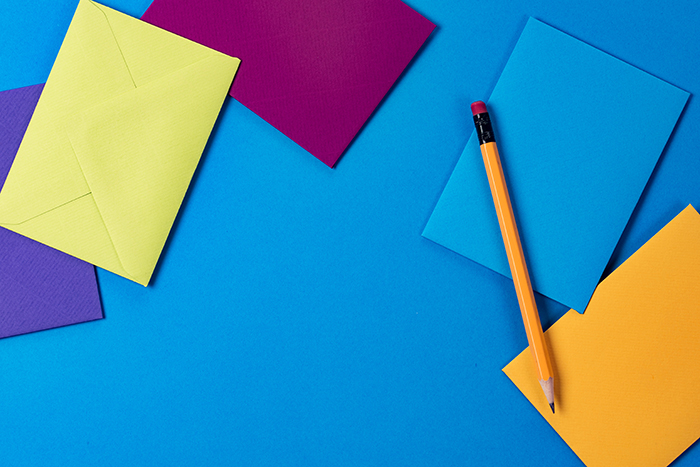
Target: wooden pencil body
{"x":516,"y":260}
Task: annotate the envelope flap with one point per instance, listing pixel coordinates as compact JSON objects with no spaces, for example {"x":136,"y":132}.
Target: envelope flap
{"x":138,"y":152}
{"x":150,"y":52}
{"x":89,"y":69}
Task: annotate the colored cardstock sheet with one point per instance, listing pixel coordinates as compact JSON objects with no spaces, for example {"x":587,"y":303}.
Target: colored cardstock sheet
{"x":115,"y":139}
{"x":628,"y":370}
{"x":579,"y":133}
{"x":314,"y":69}
{"x":40,"y":288}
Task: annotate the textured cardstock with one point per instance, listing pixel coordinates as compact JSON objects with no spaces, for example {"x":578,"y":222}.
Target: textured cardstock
{"x":114,"y":141}
{"x":314,"y":69}
{"x":40,"y":288}
{"x":628,"y":370}
{"x":579,"y":133}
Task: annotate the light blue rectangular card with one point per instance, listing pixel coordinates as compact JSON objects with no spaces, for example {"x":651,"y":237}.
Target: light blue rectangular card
{"x":579,"y":133}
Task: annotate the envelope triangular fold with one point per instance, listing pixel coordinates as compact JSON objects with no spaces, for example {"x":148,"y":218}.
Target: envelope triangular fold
{"x":165,"y":52}
{"x":40,"y":288}
{"x":51,"y":176}
{"x":114,"y":140}
{"x":139,"y":210}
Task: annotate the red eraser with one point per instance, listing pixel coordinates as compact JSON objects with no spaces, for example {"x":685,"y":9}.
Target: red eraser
{"x":478,"y":107}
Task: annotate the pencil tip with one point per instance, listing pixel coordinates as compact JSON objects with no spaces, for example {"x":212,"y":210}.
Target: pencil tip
{"x":551,"y":406}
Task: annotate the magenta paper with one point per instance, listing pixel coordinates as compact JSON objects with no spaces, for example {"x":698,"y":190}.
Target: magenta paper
{"x":314,"y":69}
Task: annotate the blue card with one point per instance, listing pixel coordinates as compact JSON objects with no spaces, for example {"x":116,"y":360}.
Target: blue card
{"x":579,"y":133}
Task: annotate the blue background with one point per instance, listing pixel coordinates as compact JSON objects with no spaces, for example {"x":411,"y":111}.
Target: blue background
{"x":297,"y":317}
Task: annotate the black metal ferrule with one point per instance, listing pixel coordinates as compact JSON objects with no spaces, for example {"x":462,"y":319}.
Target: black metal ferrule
{"x":484,"y":131}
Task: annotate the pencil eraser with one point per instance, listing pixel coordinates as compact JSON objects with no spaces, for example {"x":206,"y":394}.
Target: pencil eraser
{"x":478,"y":107}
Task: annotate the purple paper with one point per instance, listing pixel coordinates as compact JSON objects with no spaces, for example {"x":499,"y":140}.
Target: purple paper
{"x":314,"y":69}
{"x":40,"y":288}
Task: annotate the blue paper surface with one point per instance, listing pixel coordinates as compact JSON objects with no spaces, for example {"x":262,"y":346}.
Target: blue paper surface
{"x":579,"y":133}
{"x":283,"y":331}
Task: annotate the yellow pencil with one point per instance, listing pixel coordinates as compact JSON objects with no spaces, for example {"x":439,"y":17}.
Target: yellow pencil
{"x":514,"y":250}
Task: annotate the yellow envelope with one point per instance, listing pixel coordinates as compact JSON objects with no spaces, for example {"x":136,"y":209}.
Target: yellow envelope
{"x":628,"y":370}
{"x":114,"y":141}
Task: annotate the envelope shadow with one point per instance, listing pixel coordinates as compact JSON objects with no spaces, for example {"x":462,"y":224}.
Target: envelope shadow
{"x":185,"y":200}
{"x":393,"y":86}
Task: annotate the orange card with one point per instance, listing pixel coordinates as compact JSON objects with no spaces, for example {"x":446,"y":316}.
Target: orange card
{"x":628,"y":370}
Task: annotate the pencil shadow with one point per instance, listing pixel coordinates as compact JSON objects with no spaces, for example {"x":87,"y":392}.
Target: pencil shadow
{"x":559,"y":395}
{"x":550,"y":311}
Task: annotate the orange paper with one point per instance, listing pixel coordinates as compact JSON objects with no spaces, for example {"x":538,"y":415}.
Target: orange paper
{"x":628,"y":370}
